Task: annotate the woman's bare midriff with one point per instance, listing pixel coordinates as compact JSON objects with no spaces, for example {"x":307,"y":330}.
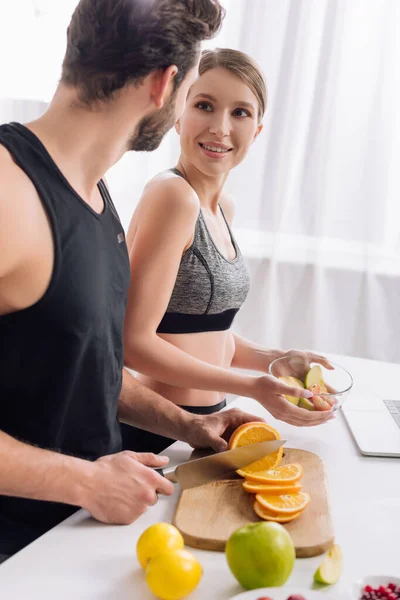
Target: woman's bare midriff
{"x":214,"y":347}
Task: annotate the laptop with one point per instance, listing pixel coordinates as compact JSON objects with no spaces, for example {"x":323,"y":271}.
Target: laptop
{"x":374,"y":423}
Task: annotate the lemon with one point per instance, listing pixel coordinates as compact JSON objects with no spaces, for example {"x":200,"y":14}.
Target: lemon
{"x":173,"y":574}
{"x":155,"y":539}
{"x":331,"y":567}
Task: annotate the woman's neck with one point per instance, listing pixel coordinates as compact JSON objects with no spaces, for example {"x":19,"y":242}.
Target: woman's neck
{"x":208,"y":188}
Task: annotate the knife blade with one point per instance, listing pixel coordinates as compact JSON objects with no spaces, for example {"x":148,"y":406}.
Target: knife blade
{"x":202,"y":470}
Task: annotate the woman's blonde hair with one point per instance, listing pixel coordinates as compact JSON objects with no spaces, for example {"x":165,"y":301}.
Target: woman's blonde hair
{"x":241,"y":65}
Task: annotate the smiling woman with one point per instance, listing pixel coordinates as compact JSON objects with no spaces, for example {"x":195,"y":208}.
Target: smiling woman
{"x":188,"y":275}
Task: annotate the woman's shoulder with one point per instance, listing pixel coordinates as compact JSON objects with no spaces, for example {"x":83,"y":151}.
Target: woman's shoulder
{"x":170,"y":194}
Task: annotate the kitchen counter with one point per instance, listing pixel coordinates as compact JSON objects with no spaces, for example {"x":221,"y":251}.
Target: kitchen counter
{"x":86,"y":560}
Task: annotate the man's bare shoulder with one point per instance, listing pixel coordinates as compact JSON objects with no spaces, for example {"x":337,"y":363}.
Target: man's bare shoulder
{"x":19,"y":206}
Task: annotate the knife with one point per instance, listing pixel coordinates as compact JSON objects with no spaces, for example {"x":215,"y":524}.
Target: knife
{"x":202,"y":470}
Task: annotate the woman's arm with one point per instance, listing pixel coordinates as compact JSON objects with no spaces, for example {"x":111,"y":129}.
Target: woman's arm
{"x":164,"y":225}
{"x":254,"y":357}
{"x":165,"y":222}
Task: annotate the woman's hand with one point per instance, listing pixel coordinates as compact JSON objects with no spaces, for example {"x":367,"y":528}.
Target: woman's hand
{"x":302,"y":360}
{"x":271,"y":392}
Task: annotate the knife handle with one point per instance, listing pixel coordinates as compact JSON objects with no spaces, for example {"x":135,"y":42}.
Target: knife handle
{"x":168,"y":474}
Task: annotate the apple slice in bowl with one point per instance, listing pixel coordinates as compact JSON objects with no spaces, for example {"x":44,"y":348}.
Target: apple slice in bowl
{"x":330,"y":387}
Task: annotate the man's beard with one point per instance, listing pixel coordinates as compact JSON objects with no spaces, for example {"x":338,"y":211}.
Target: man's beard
{"x":152,"y":128}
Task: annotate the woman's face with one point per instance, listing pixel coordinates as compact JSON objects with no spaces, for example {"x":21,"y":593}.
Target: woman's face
{"x":220,"y":122}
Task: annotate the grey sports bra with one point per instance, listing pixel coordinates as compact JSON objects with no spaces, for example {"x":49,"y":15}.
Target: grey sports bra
{"x":209,"y":288}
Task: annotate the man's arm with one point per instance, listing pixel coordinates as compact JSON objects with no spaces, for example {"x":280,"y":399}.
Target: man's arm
{"x":30,"y":472}
{"x":142,"y":407}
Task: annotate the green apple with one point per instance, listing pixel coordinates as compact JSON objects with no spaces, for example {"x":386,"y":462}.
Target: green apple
{"x":294,"y":382}
{"x":261,"y":555}
{"x":331,"y":567}
{"x":307,"y":404}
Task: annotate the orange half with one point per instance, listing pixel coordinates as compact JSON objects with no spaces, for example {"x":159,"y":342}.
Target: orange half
{"x":288,"y":504}
{"x":276,"y":517}
{"x":252,"y":433}
{"x":271,"y":490}
{"x":284,"y":475}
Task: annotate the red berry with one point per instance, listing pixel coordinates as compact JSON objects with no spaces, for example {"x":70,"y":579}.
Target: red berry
{"x":368,"y":589}
{"x":296,"y":597}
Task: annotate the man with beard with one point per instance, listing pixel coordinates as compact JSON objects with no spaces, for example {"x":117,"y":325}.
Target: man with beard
{"x":64,"y":273}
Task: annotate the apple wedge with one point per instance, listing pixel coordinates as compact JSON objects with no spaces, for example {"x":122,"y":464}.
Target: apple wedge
{"x":294,"y":382}
{"x":315,"y":377}
{"x":331,"y":567}
{"x":307,"y":404}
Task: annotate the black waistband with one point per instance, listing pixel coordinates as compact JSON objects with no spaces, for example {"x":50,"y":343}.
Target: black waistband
{"x":204,"y":410}
{"x":184,"y":323}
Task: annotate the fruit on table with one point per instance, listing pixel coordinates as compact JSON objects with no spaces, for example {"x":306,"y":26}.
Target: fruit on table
{"x":173,"y":574}
{"x":252,"y":433}
{"x":286,"y":474}
{"x":271,"y":490}
{"x":391,"y":591}
{"x":155,"y":539}
{"x":268,"y":515}
{"x":260,"y":555}
{"x":296,"y":597}
{"x":278,"y":491}
{"x":331,"y":567}
{"x":293,"y":382}
{"x":287,"y":504}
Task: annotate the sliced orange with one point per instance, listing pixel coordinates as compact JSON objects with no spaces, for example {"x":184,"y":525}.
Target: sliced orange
{"x":271,"y":490}
{"x":288,"y":504}
{"x":276,"y":517}
{"x":284,"y":475}
{"x":252,"y":433}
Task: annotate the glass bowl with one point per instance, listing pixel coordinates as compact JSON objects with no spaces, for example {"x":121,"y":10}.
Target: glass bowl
{"x":338,"y":382}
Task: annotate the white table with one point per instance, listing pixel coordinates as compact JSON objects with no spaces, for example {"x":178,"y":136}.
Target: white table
{"x":85,"y":560}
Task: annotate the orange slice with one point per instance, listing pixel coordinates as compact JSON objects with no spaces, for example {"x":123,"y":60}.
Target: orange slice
{"x":252,"y":433}
{"x":284,"y":475}
{"x":276,"y":517}
{"x":271,"y":490}
{"x":288,"y":504}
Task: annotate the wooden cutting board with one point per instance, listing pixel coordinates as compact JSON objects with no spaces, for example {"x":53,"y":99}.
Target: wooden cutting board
{"x":207,"y":515}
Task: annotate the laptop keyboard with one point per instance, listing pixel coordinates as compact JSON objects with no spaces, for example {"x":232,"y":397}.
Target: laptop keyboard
{"x":393,"y":407}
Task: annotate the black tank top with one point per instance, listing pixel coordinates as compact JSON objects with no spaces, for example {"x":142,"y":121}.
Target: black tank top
{"x":61,"y":359}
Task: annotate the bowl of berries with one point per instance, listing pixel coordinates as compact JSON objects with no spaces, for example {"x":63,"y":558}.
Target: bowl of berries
{"x":377,"y":587}
{"x":283,"y":593}
{"x":330,"y":387}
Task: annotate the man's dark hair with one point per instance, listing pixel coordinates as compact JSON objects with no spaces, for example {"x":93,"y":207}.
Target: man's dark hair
{"x":111,"y":43}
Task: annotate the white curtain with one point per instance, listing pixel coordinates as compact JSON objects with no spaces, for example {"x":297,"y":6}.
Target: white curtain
{"x":317,"y":198}
{"x":318,"y":206}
